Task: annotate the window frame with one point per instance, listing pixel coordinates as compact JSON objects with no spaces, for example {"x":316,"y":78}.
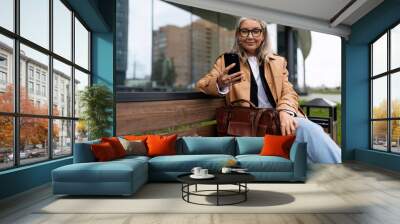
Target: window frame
{"x":388,"y":74}
{"x":16,"y":114}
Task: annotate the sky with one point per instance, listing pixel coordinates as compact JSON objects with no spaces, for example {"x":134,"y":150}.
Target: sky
{"x":323,"y":64}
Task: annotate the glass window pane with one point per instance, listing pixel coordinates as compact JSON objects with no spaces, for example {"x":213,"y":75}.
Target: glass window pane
{"x":81,"y":131}
{"x":81,"y":45}
{"x":81,"y":81}
{"x":379,"y":98}
{"x":379,"y":55}
{"x":62,"y":89}
{"x":7,"y":14}
{"x":33,"y":139}
{"x":227,"y":25}
{"x":121,"y":45}
{"x":34,"y":96}
{"x":395,"y":47}
{"x":6,"y":142}
{"x":6,"y":74}
{"x":379,"y":135}
{"x":35,"y":21}
{"x":395,"y":136}
{"x":171,"y":47}
{"x":62,"y":29}
{"x":139,"y":33}
{"x":62,"y":138}
{"x":205,"y":47}
{"x":395,"y":94}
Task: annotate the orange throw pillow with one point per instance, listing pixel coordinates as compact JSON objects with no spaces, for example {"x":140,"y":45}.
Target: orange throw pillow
{"x":116,"y":145}
{"x":103,"y":151}
{"x":277,"y":145}
{"x":161,"y":145}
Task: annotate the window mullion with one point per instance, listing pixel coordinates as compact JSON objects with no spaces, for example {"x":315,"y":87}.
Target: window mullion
{"x":389,"y":106}
{"x":50,"y":81}
{"x":73,"y":82}
{"x":16,"y":84}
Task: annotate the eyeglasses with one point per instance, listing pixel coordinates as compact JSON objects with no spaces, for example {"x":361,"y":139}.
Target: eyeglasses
{"x":254,"y":32}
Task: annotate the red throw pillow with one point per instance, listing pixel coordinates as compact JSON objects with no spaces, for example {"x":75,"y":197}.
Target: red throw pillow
{"x":116,"y":145}
{"x":277,"y":145}
{"x":161,"y":145}
{"x":103,"y":151}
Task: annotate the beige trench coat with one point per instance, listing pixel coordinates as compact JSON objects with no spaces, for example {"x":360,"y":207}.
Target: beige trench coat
{"x":275,"y":73}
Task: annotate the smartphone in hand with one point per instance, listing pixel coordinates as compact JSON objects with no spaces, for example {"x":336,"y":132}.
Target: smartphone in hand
{"x":232,"y":58}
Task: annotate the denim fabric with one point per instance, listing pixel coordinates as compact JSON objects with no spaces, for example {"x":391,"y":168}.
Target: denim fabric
{"x":320,"y":147}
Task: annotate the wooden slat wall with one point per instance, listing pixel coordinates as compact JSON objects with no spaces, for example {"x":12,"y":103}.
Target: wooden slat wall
{"x":133,"y":117}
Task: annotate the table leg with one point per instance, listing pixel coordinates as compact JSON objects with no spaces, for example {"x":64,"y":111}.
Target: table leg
{"x":245,"y":191}
{"x":196,"y":188}
{"x":217,"y":194}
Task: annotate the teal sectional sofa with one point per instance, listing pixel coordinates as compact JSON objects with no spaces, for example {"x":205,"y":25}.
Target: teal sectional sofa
{"x":125,"y":176}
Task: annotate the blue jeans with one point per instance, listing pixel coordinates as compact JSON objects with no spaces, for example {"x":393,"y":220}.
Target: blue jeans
{"x":320,"y":147}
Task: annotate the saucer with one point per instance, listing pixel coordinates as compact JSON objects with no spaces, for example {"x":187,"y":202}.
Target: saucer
{"x":208,"y":176}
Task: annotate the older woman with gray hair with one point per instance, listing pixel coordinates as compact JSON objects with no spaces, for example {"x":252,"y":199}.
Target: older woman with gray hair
{"x":263,"y":80}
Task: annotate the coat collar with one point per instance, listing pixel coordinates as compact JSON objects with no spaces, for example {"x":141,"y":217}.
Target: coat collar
{"x":273,"y":56}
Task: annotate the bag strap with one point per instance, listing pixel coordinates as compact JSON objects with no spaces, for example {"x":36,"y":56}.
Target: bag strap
{"x":254,"y":126}
{"x":242,"y":100}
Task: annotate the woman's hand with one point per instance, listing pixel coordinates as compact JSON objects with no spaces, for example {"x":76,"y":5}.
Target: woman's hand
{"x":225,"y":79}
{"x":288,"y":123}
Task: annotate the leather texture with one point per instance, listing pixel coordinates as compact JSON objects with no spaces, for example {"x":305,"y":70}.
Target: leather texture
{"x":233,"y":120}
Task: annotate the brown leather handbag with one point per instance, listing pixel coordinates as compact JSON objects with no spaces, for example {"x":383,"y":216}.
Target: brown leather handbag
{"x":233,"y":120}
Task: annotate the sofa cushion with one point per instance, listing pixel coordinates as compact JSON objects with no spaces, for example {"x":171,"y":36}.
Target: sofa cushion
{"x":185,"y":163}
{"x":249,"y":145}
{"x":257,"y":163}
{"x":111,"y":171}
{"x":207,"y":145}
{"x":83,"y":152}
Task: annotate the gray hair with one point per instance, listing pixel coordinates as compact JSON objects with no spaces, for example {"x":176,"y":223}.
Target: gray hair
{"x":263,"y":51}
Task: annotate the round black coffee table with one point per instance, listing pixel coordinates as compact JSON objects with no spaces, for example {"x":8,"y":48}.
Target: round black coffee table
{"x":238,"y":179}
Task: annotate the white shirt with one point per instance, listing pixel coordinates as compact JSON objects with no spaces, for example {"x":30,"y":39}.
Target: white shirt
{"x":263,"y":101}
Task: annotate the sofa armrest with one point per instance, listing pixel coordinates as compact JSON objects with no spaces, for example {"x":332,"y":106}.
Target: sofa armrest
{"x":83,"y":152}
{"x":298,"y":155}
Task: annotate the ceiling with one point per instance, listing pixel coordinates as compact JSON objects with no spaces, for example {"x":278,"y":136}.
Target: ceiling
{"x":326,"y":16}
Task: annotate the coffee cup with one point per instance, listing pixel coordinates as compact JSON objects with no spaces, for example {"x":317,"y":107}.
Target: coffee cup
{"x":196,"y":170}
{"x":203,"y":172}
{"x":226,"y":170}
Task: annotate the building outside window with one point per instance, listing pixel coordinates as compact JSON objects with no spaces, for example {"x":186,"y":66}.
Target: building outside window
{"x":385,"y":96}
{"x":30,"y":72}
{"x":30,"y":87}
{"x":34,"y":82}
{"x":3,"y":77}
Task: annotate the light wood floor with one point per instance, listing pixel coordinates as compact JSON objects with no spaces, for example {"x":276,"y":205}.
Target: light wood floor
{"x":378,"y":188}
